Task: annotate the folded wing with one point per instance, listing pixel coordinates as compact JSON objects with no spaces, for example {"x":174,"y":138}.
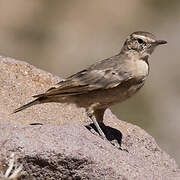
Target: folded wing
{"x":89,"y":80}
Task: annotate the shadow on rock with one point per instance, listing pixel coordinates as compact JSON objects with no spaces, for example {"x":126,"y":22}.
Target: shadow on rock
{"x":111,"y":133}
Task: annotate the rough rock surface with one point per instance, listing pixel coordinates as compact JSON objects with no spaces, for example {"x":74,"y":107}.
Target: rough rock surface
{"x":63,"y":148}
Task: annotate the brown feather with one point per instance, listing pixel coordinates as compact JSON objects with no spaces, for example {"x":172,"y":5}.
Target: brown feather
{"x":94,"y":78}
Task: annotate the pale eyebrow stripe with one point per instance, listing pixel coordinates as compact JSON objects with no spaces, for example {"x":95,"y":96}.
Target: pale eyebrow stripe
{"x":144,"y":38}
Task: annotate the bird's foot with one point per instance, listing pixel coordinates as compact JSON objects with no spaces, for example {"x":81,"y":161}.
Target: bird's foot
{"x":114,"y":142}
{"x":112,"y":135}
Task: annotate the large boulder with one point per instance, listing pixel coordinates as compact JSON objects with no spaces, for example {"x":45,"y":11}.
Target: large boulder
{"x":61,"y":147}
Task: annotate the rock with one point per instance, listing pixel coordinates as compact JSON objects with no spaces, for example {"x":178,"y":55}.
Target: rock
{"x":63,"y":148}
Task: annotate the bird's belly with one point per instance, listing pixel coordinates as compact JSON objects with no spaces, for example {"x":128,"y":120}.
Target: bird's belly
{"x":119,"y":94}
{"x":105,"y":98}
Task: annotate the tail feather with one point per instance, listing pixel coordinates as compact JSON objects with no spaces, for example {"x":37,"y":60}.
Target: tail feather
{"x":36,"y":101}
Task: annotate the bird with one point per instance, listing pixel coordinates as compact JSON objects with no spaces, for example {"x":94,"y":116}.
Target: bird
{"x":107,"y":82}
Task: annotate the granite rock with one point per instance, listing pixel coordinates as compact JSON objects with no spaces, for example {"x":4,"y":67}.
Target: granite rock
{"x":62,"y":147}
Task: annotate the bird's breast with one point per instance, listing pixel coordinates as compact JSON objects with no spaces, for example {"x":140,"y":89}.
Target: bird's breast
{"x":140,"y":69}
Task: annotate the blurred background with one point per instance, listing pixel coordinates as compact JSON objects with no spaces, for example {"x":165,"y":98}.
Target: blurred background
{"x":64,"y":37}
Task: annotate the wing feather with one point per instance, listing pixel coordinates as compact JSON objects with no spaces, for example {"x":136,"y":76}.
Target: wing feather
{"x":102,"y":75}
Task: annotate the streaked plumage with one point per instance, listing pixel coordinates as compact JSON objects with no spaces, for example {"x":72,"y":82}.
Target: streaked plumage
{"x":108,"y":81}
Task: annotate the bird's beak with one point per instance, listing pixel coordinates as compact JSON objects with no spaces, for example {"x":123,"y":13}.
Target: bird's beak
{"x":159,"y":42}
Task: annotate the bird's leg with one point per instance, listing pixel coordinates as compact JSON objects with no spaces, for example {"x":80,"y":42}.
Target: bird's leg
{"x":97,"y":118}
{"x":97,"y":127}
{"x":94,"y":116}
{"x":114,"y":142}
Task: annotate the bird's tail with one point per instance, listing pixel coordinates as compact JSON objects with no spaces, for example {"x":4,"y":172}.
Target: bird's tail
{"x":36,"y":101}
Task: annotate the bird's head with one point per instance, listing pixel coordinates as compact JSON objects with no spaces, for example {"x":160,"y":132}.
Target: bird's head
{"x":141,"y":43}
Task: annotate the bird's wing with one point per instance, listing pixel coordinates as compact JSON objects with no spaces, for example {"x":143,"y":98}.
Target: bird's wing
{"x":94,"y":78}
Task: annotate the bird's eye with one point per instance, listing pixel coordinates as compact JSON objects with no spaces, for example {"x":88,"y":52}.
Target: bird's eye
{"x":140,"y":41}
